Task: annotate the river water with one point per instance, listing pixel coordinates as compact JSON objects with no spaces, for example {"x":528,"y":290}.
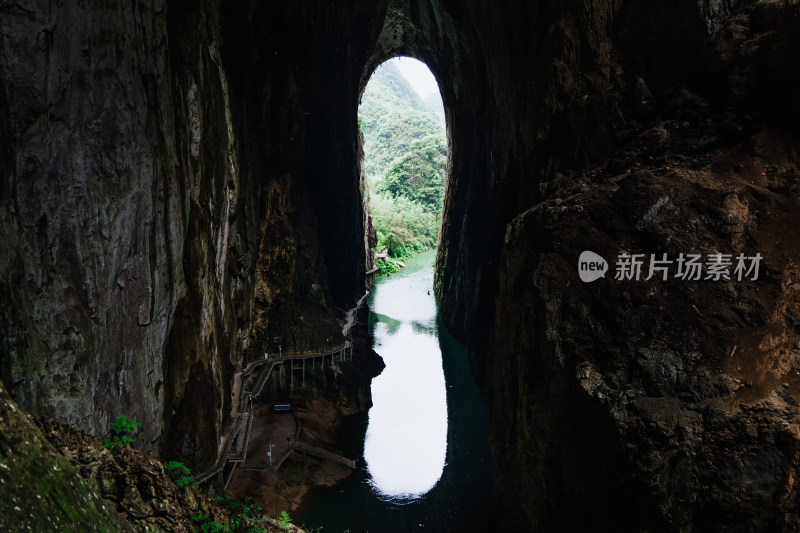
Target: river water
{"x":422,"y":453}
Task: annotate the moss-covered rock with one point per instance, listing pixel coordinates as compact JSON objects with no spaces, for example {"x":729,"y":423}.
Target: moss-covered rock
{"x":39,"y":489}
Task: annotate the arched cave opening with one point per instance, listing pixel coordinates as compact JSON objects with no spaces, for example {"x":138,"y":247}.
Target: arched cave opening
{"x":402,"y":160}
{"x":423,"y":440}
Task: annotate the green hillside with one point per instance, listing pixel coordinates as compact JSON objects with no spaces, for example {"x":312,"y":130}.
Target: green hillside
{"x":389,"y":76}
{"x":405,"y":156}
{"x":392,"y":117}
{"x":433,"y":103}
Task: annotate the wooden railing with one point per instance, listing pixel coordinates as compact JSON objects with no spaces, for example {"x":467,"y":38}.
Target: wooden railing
{"x":235,"y":457}
{"x":322,"y":453}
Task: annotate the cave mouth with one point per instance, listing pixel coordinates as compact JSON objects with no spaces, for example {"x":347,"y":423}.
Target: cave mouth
{"x":423,"y":443}
{"x":401,"y":123}
{"x":402,"y":127}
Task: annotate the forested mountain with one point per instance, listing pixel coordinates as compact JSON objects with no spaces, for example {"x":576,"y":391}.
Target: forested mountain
{"x":433,"y":103}
{"x":393,"y":117}
{"x":405,"y":155}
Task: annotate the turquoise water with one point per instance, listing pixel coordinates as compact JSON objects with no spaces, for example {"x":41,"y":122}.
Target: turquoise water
{"x":423,"y":457}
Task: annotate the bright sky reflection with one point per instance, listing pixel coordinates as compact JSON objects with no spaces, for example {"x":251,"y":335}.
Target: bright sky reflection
{"x":406,"y":440}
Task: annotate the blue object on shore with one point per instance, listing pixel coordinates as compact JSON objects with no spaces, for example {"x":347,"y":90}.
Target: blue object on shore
{"x":282,"y":407}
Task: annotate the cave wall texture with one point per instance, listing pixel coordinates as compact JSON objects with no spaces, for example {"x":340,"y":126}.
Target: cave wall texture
{"x":157,"y":204}
{"x":180,"y":186}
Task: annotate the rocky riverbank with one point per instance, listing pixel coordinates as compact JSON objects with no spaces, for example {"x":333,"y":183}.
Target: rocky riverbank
{"x":284,"y":489}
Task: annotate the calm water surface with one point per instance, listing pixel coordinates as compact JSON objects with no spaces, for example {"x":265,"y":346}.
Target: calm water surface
{"x":423,"y":457}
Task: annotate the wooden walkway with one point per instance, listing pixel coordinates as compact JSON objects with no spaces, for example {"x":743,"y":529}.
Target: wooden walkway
{"x":322,"y":453}
{"x":248,"y":385}
{"x":294,"y":444}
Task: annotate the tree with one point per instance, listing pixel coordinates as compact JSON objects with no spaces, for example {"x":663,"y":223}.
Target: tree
{"x":419,"y":174}
{"x":404,"y":227}
{"x":392,"y":118}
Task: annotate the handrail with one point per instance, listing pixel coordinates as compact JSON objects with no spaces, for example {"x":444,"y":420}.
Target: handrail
{"x":265,"y":371}
{"x":322,"y":453}
{"x":240,"y":457}
{"x":220,"y":464}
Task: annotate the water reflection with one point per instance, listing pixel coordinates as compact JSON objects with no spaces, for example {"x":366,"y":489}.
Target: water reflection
{"x":459,"y":501}
{"x":406,"y":440}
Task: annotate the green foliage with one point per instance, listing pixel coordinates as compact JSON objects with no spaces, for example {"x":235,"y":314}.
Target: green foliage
{"x":214,"y":527}
{"x":121,"y":429}
{"x":284,"y":519}
{"x":419,"y":174}
{"x":241,"y":514}
{"x":404,"y":226}
{"x":210,"y":526}
{"x":244,"y":508}
{"x":405,"y":157}
{"x":392,"y":117}
{"x":180,"y":474}
{"x":386,"y":266}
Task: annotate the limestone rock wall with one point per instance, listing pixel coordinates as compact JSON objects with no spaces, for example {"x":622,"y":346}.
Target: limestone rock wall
{"x":220,"y":226}
{"x":295,"y":71}
{"x":658,"y":405}
{"x":93,"y":223}
{"x":164,"y":165}
{"x":124,"y":239}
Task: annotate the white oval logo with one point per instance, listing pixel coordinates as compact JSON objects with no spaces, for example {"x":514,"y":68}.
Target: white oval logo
{"x":591,"y":266}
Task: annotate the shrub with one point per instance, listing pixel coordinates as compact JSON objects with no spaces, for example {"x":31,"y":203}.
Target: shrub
{"x":404,"y":227}
{"x":240,"y":512}
{"x":121,"y":429}
{"x":386,"y":266}
{"x":209,"y":526}
{"x":284,"y":519}
{"x":180,"y":474}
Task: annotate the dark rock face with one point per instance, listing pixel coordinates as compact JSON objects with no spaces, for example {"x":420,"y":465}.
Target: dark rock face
{"x":295,"y":110}
{"x":151,"y":195}
{"x":92,"y":208}
{"x":654,"y":405}
{"x":692,"y":417}
{"x":180,"y":191}
{"x":220,"y":225}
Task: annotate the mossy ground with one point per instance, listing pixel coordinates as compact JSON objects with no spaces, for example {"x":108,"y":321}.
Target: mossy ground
{"x":39,"y":489}
{"x":53,"y":478}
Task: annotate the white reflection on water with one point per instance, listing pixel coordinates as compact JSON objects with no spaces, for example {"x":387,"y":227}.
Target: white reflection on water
{"x":406,"y":440}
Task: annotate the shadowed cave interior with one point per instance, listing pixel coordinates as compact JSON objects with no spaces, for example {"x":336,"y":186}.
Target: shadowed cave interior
{"x":181,"y":186}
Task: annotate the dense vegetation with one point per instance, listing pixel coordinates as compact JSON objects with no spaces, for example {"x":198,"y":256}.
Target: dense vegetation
{"x":405,"y":156}
{"x":419,"y":174}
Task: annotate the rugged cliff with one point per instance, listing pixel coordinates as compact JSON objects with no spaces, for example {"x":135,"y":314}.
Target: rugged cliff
{"x":655,"y":405}
{"x":150,"y":195}
{"x":654,"y":128}
{"x":93,"y":212}
{"x":294,"y":75}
